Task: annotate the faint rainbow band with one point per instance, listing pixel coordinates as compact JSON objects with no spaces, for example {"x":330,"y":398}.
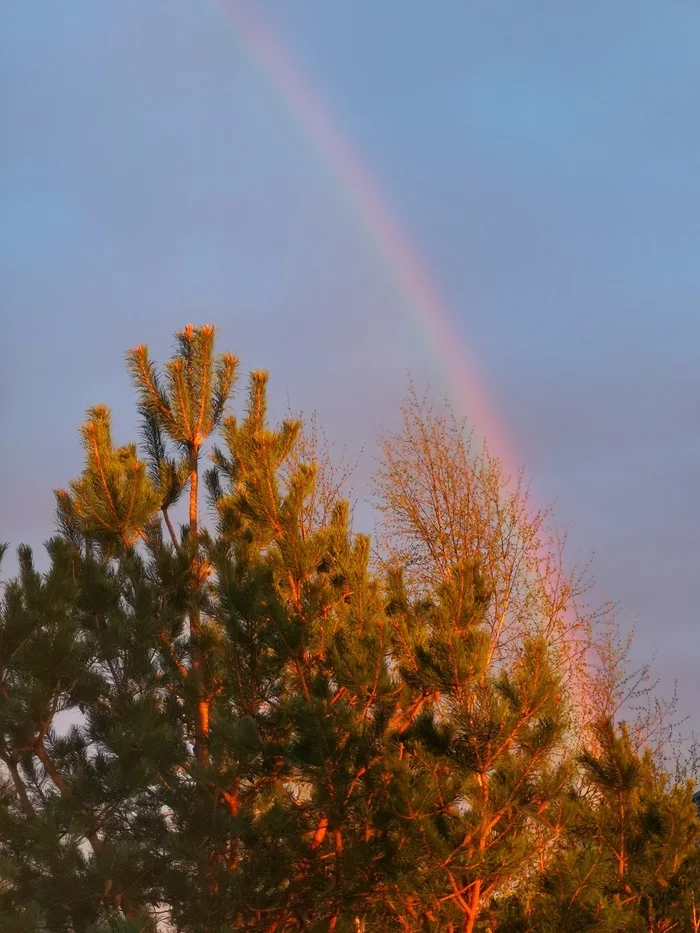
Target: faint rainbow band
{"x":391,"y":242}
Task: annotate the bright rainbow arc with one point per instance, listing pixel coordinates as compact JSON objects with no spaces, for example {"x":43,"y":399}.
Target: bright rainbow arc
{"x":392,"y":244}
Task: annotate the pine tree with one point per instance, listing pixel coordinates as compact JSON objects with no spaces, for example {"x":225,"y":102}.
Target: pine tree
{"x":477,"y":750}
{"x":629,"y":858}
{"x":244,"y":723}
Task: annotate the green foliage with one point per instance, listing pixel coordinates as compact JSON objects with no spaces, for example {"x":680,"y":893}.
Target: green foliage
{"x":114,"y":498}
{"x":629,"y":858}
{"x":189,"y":403}
{"x":245,"y":725}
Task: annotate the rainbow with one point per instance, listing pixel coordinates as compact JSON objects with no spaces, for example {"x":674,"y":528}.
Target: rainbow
{"x":392,"y":244}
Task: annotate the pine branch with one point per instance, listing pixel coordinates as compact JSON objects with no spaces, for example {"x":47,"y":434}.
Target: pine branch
{"x":21,"y":791}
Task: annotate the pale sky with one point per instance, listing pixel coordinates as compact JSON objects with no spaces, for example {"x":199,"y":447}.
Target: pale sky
{"x":542,"y":156}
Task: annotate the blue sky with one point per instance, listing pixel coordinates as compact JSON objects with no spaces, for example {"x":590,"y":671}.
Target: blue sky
{"x":544,"y":158}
